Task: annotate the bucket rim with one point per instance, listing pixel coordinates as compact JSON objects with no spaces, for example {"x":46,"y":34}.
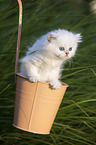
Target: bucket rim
{"x":29,"y":130}
{"x":18,"y":74}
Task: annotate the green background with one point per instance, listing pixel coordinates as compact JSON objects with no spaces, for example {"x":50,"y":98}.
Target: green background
{"x":75,"y":122}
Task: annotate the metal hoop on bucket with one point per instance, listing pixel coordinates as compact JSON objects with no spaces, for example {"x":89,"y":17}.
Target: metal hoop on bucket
{"x":19,"y":36}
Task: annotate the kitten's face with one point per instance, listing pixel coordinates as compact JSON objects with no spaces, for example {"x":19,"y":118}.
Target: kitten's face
{"x":63,"y":44}
{"x":65,"y":51}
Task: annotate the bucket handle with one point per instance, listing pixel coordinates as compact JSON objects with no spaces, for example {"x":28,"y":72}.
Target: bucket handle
{"x":19,"y":36}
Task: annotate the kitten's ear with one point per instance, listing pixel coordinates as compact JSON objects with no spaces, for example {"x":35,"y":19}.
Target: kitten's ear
{"x":51,"y":37}
{"x":78,"y":37}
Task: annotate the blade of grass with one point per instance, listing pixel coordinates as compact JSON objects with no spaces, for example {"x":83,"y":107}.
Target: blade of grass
{"x":80,"y":67}
{"x":77,"y":117}
{"x":80,"y":102}
{"x":68,"y":127}
{"x":93,"y":71}
{"x":78,"y":136}
{"x":53,"y":139}
{"x":74,"y":73}
{"x":82,"y":21}
{"x":89,"y":126}
{"x":72,"y":139}
{"x":5,"y":88}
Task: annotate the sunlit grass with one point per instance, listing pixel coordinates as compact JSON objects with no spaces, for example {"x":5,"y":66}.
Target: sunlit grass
{"x":75,"y":123}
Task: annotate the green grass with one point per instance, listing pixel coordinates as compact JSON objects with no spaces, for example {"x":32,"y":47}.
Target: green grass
{"x":75,"y":123}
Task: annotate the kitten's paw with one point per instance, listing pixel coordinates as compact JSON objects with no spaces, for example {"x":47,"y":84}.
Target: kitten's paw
{"x":55,"y":85}
{"x":33,"y":79}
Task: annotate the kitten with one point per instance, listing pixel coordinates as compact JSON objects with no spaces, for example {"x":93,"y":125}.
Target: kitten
{"x":44,"y":59}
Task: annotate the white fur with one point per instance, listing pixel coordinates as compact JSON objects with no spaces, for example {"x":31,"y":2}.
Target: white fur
{"x":44,"y":59}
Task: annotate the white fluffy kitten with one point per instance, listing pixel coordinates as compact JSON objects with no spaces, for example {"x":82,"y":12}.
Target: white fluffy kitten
{"x":44,"y":59}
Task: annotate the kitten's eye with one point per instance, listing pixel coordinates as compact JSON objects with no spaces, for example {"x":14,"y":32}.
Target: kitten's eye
{"x":61,"y":48}
{"x":70,"y":48}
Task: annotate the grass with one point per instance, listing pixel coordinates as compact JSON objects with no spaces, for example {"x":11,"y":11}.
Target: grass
{"x":75,"y":123}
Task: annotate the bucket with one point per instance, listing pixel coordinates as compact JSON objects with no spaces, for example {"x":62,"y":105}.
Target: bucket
{"x":36,"y":105}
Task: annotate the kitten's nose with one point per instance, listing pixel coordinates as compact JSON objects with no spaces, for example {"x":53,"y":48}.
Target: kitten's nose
{"x":67,"y":53}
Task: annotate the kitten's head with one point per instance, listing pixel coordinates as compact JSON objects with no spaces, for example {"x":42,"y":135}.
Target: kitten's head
{"x":62,"y":43}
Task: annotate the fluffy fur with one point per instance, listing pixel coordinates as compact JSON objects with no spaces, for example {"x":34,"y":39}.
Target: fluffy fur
{"x":44,"y":59}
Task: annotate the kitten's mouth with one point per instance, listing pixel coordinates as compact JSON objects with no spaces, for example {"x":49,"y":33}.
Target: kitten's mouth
{"x":57,"y":55}
{"x":66,"y":55}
